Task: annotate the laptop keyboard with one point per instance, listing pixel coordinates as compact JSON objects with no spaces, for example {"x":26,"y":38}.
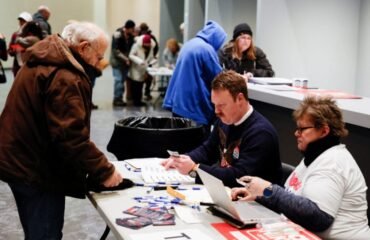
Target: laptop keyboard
{"x":253,"y":210}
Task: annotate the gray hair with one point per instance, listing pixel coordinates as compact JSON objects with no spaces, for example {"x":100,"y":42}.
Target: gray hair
{"x":321,"y":111}
{"x":76,"y":32}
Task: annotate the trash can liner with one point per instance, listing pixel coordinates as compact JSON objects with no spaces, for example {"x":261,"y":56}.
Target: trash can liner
{"x":156,"y":122}
{"x":139,"y":137}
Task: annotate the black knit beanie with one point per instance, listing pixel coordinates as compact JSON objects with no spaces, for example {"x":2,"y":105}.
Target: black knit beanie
{"x":241,"y":28}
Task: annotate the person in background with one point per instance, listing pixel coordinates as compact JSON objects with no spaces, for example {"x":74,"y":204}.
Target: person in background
{"x":243,"y":142}
{"x":326,"y":193}
{"x":144,"y":29}
{"x":42,"y":16}
{"x":171,"y":53}
{"x":243,"y":57}
{"x":30,"y":34}
{"x":141,"y":56}
{"x":182,"y":30}
{"x":15,"y":49}
{"x":189,"y":91}
{"x":45,"y":147}
{"x":3,"y":52}
{"x":122,"y":41}
{"x":3,"y":56}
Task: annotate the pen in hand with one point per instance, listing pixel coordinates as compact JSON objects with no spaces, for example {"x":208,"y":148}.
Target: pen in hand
{"x":244,"y":183}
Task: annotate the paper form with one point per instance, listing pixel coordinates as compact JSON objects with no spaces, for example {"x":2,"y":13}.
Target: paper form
{"x":157,"y":173}
{"x":153,"y":172}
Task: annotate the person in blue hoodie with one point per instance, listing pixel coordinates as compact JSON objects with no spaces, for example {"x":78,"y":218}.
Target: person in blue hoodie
{"x":189,"y":91}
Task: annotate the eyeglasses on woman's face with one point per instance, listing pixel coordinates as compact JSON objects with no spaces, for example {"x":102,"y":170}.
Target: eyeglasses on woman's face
{"x":300,"y":130}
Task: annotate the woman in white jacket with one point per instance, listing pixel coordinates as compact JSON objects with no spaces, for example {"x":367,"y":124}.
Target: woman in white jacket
{"x":141,"y":56}
{"x":326,"y":193}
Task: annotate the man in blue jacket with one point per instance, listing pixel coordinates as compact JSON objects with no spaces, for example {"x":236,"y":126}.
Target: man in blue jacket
{"x":243,"y":142}
{"x":189,"y":91}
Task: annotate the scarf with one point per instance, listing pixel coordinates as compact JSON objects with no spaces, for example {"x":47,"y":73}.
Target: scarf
{"x":314,"y":149}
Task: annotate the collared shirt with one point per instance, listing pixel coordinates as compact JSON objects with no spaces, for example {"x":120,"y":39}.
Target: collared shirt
{"x":246,"y":115}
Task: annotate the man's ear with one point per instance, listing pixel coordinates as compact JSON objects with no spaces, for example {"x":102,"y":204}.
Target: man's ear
{"x":82,"y":45}
{"x":240,"y":97}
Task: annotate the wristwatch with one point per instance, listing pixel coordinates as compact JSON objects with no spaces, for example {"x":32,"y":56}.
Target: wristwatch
{"x":267,"y":192}
{"x":193,"y":171}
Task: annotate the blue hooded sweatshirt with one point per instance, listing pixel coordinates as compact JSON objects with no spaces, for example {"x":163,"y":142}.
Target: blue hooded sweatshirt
{"x":189,"y":90}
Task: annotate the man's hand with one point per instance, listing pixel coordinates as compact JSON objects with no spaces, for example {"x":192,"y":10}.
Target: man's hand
{"x":167,"y":163}
{"x":183,"y":163}
{"x":114,"y":180}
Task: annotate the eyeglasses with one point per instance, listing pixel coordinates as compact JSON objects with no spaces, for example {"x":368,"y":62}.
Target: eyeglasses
{"x":300,"y":130}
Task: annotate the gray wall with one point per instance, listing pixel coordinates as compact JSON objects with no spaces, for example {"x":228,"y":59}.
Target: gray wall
{"x":194,"y":17}
{"x":314,"y":39}
{"x":363,"y":62}
{"x":171,"y":16}
{"x":230,"y":13}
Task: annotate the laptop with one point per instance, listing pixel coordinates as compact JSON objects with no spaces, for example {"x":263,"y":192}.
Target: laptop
{"x":240,"y":214}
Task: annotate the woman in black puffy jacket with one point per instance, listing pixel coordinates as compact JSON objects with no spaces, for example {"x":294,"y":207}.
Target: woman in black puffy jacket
{"x":242,"y":56}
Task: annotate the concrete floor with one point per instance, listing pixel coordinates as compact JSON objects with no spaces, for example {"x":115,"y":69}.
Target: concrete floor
{"x":82,"y":221}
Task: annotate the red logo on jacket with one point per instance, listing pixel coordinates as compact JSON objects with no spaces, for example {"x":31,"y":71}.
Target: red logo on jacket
{"x":294,"y":182}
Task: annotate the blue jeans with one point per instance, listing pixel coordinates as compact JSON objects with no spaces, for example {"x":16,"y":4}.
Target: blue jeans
{"x":41,"y":213}
{"x":119,"y":75}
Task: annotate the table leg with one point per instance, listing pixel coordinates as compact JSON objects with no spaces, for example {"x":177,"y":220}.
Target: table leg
{"x":105,"y":233}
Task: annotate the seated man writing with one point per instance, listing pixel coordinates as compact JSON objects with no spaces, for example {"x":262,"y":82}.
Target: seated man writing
{"x":243,"y":142}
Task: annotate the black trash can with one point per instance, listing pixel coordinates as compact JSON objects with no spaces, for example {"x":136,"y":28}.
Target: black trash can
{"x":140,"y":137}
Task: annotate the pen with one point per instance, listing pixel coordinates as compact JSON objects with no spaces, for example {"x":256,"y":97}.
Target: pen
{"x":189,"y":204}
{"x":145,"y":185}
{"x":150,"y":190}
{"x":244,"y":183}
{"x":206,"y":204}
{"x":155,"y":186}
{"x":127,"y":167}
{"x":158,"y":188}
{"x":170,"y":183}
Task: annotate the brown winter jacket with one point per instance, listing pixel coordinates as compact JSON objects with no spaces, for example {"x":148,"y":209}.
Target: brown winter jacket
{"x":45,"y":124}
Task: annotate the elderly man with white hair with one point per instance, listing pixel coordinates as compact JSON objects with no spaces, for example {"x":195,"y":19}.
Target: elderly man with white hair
{"x":45,"y":147}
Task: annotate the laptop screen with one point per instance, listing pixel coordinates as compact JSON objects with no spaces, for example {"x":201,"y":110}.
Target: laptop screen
{"x":243,"y":211}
